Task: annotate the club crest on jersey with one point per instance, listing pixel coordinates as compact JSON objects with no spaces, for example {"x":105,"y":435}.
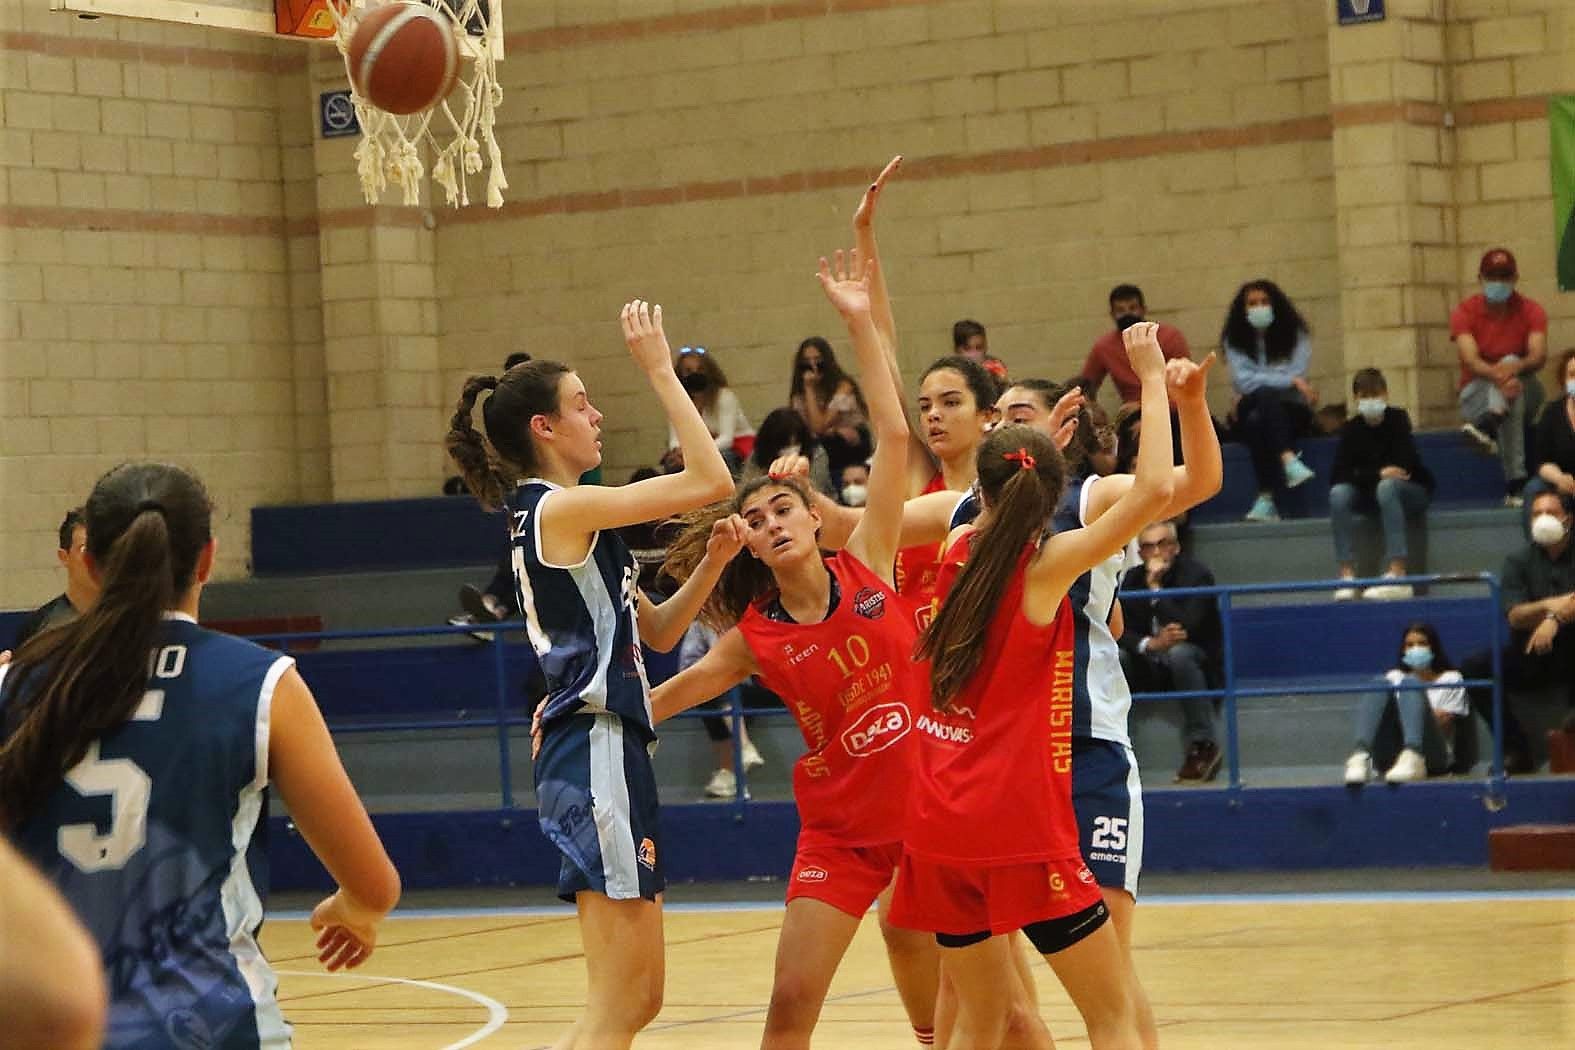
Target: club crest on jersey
{"x":869,"y":603}
{"x":813,"y":875}
{"x":1084,"y":875}
{"x":877,"y":729}
{"x":647,"y":854}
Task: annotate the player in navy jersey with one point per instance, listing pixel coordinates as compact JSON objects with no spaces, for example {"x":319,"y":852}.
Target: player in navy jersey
{"x":138,"y":750}
{"x":586,"y":618}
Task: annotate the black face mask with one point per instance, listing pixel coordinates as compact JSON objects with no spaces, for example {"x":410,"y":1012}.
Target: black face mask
{"x":1126,"y":321}
{"x":696,"y":382}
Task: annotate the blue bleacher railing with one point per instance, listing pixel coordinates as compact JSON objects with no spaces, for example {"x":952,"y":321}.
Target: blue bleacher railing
{"x":1230,"y":694}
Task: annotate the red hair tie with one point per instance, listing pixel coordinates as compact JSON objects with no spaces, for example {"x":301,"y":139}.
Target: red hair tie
{"x":1022,"y":458}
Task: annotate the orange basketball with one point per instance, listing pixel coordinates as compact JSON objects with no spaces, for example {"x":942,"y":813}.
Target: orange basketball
{"x":403,"y":57}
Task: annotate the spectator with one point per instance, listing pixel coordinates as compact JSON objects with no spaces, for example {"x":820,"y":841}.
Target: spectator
{"x":785,"y":433}
{"x":970,"y":340}
{"x":81,"y":589}
{"x":1538,"y":592}
{"x":831,"y":403}
{"x":707,"y":385}
{"x":1108,"y":356}
{"x":1173,"y":644}
{"x":1268,"y":347}
{"x":1555,"y":444}
{"x":853,"y":490}
{"x":1376,"y":467}
{"x":1328,"y":420}
{"x":1409,"y":733}
{"x":698,"y":641}
{"x":1502,"y":338}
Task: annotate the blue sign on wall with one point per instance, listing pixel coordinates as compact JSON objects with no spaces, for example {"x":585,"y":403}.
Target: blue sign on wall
{"x":336,"y":115}
{"x":1355,"y":12}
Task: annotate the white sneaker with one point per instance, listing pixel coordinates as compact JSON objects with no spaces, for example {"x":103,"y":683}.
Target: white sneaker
{"x":1390,"y":592}
{"x":1346,"y":594}
{"x":1359,"y":768}
{"x":752,"y":759}
{"x":723,"y":784}
{"x":1263,"y":509}
{"x":1408,"y":767}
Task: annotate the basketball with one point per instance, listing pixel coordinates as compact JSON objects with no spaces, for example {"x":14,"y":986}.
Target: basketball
{"x":403,"y":57}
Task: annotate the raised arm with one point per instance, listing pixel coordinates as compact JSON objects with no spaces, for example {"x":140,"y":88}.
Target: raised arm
{"x":1067,"y":555}
{"x":663,"y":626}
{"x":727,"y":663}
{"x":572,"y":514}
{"x":323,"y":804}
{"x":925,"y":519}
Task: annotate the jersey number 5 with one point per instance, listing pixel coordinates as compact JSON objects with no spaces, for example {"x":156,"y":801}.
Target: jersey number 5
{"x":128,"y":787}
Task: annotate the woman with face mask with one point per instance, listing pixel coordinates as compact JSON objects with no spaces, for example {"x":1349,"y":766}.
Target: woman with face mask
{"x":1555,"y":443}
{"x":706,"y":384}
{"x":1376,"y":469}
{"x":1410,"y":733}
{"x":1268,"y":348}
{"x":831,"y":403}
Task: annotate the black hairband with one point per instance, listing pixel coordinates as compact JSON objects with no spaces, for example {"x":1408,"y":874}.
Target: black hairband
{"x":150,"y":504}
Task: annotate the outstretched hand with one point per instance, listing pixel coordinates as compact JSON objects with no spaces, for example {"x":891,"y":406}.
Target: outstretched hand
{"x":1188,"y":380}
{"x":864,"y":216}
{"x":643,"y":335}
{"x":727,"y":538}
{"x":1143,"y":352}
{"x":846,"y":282}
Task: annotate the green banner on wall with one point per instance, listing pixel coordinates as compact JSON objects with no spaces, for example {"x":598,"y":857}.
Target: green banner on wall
{"x":1561,"y":128}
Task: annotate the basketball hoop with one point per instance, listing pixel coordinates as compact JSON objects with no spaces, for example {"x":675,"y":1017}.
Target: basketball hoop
{"x":458,"y":129}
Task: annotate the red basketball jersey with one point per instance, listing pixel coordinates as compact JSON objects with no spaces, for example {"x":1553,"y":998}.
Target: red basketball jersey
{"x":849,"y":682}
{"x":917,"y":567}
{"x":993,"y":773}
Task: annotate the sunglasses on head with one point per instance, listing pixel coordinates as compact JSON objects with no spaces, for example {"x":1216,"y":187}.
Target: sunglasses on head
{"x":691,"y":350}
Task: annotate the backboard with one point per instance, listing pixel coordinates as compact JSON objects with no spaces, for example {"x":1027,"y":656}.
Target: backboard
{"x":254,"y":16}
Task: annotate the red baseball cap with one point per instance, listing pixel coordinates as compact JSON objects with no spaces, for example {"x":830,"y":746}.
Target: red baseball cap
{"x":1498,"y":262}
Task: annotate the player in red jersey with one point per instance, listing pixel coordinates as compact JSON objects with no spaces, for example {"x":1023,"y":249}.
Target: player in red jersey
{"x":828,"y":635}
{"x":992,"y":843}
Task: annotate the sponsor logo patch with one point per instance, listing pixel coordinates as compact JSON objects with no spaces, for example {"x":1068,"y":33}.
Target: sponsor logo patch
{"x":877,"y":729}
{"x":869,"y":603}
{"x":1084,"y":875}
{"x":812,"y":875}
{"x":647,"y":854}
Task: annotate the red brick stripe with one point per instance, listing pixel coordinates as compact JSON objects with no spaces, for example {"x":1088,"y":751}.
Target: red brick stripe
{"x":154,"y":54}
{"x":591,"y":33}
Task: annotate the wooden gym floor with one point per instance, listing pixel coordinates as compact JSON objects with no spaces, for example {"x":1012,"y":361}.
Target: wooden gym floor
{"x":1471,"y":971}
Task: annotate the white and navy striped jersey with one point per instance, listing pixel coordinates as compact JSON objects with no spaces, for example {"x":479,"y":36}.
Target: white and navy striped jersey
{"x":156,"y":837}
{"x":580,"y":618}
{"x":1101,"y":700}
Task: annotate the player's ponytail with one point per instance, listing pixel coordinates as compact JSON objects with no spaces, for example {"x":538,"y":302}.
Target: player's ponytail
{"x":1021,"y":476}
{"x":491,"y":464}
{"x":147,"y":524}
{"x":746,"y":579}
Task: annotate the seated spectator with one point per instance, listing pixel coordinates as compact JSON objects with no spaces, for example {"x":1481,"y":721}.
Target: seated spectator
{"x":723,"y":783}
{"x":1108,"y":356}
{"x":1502,"y":338}
{"x":1376,"y":468}
{"x":81,"y":589}
{"x":970,"y":340}
{"x":1173,"y":644}
{"x":1410,"y":733}
{"x":1538,"y":591}
{"x":1268,"y":347}
{"x":1554,"y":470}
{"x":853,"y":490}
{"x":831,"y":403}
{"x":707,"y":385}
{"x":784,"y":433}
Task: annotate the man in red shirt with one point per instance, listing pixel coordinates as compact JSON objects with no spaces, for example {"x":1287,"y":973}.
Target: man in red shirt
{"x":1503,"y":341}
{"x":1108,"y":355}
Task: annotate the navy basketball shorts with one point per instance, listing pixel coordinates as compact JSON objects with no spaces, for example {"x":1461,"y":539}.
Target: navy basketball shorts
{"x":1108,"y":799}
{"x":596,"y":799}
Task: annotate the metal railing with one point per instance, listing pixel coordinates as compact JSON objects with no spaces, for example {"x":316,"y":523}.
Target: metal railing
{"x":734,"y":710}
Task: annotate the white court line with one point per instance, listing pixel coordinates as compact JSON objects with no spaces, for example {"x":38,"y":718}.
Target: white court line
{"x":497,"y":1013}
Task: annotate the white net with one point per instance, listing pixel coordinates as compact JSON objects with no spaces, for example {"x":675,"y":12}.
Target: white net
{"x":457,"y":132}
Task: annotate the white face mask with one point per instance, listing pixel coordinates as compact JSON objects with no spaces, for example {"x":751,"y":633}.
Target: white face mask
{"x":855,"y":494}
{"x":1260,"y":317}
{"x":1569,"y":388}
{"x":1372,"y":409}
{"x":1546,"y":530}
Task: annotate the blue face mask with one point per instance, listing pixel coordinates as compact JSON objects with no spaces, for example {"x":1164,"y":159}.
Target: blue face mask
{"x":1497,"y":291}
{"x":1260,"y":317}
{"x":1418,"y":657}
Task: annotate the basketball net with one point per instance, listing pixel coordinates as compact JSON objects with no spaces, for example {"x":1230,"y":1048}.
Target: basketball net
{"x":456,"y":129}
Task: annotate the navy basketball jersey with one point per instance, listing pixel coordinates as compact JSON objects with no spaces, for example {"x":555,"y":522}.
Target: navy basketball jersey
{"x":580,"y":618}
{"x":155,"y":837}
{"x":1100,"y":697}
